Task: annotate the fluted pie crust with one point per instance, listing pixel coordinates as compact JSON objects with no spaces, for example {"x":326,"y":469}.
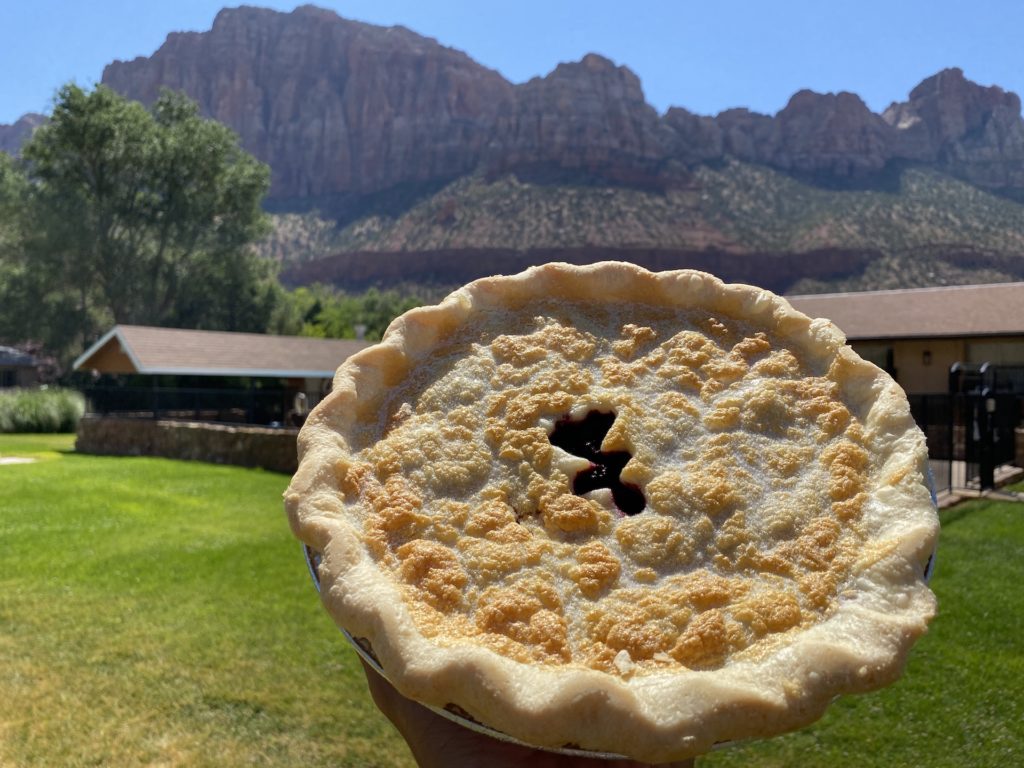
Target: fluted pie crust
{"x":777,"y":563}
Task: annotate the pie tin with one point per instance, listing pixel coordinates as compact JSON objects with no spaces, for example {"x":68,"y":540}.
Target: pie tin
{"x":929,"y":567}
{"x":365,"y":651}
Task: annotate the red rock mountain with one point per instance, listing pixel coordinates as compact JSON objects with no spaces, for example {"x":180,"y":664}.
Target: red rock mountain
{"x":975,"y":132}
{"x":14,"y":135}
{"x":346,"y":112}
{"x":336,"y":107}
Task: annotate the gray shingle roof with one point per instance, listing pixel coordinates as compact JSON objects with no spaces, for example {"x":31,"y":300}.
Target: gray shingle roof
{"x":966,"y":310}
{"x":217,"y":353}
{"x":969,"y":310}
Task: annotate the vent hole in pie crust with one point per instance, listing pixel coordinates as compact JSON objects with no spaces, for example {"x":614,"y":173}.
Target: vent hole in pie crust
{"x":583,"y":438}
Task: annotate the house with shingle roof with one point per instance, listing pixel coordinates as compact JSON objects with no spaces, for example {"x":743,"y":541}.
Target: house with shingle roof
{"x":186,"y":371}
{"x":182,"y":352}
{"x":917,"y":334}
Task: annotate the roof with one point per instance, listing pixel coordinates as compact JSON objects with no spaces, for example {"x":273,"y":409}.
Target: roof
{"x":144,"y":349}
{"x":953,"y":311}
{"x":15,"y":358}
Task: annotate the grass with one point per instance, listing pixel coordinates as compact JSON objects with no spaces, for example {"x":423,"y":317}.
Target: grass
{"x":158,"y":613}
{"x":155,"y":612}
{"x":961,"y":700}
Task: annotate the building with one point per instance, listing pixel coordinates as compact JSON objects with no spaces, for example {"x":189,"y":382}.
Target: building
{"x":210,"y":375}
{"x":17,"y":368}
{"x":917,"y":334}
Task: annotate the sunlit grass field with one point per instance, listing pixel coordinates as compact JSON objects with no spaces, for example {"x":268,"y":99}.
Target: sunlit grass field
{"x":158,"y":613}
{"x":961,"y":700}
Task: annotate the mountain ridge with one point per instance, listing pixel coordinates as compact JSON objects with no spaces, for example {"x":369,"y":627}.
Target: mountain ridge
{"x":343,"y":110}
{"x":384,"y":141}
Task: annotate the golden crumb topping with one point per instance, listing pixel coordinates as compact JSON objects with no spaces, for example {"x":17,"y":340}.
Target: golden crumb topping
{"x":716,"y":508}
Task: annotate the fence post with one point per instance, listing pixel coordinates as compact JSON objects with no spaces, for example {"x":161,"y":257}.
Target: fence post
{"x":987,"y":454}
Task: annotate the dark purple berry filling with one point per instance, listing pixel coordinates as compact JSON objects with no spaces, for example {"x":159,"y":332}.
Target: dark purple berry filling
{"x":583,"y":439}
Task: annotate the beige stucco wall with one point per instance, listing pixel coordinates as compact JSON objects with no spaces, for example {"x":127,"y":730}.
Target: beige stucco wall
{"x":917,"y":378}
{"x":110,"y":358}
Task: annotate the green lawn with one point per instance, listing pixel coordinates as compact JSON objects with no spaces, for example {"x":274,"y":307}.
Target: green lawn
{"x":155,"y":612}
{"x":961,"y":700}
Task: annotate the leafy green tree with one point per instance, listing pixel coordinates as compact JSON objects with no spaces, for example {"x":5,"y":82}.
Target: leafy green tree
{"x":319,"y":310}
{"x":12,"y":190}
{"x":24,"y":298}
{"x":136,"y":215}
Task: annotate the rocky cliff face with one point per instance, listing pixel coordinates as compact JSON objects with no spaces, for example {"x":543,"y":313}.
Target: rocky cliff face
{"x":343,"y":110}
{"x":335,"y":107}
{"x":14,"y":135}
{"x":976,"y":133}
{"x":828,"y":133}
{"x":589,"y":118}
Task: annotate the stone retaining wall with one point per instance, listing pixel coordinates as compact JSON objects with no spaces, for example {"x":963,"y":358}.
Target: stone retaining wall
{"x":245,"y":446}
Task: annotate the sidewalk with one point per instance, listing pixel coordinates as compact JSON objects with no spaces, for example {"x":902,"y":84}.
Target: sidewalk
{"x":1005,"y":475}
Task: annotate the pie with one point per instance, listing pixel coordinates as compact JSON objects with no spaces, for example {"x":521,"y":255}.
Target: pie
{"x":623,"y":511}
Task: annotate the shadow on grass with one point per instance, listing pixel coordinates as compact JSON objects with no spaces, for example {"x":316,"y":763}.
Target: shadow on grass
{"x":954,"y":515}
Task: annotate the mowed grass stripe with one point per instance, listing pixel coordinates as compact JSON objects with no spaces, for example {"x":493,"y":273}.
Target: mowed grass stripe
{"x":155,"y":612}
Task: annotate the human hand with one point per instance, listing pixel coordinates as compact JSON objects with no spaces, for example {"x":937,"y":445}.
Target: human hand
{"x":437,"y":742}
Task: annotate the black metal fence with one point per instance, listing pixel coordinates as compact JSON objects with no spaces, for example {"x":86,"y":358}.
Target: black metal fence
{"x":969,"y":435}
{"x":971,"y":429}
{"x":274,"y":407}
{"x":934,"y":415}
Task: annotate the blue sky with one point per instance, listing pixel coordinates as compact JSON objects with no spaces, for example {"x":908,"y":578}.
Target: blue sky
{"x":703,"y":55}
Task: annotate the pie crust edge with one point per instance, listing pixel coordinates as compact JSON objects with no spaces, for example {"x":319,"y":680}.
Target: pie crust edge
{"x":862,"y":645}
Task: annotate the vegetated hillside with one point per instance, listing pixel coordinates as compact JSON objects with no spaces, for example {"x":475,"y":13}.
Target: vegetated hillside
{"x":299,"y":237}
{"x":925,"y":228}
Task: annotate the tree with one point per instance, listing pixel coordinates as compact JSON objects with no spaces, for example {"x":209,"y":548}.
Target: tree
{"x":320,"y":310}
{"x":12,"y":189}
{"x":136,"y":215}
{"x":23,"y":295}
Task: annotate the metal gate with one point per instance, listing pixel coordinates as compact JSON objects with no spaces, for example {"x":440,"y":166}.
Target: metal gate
{"x":970,"y":430}
{"x":935,"y":415}
{"x":985,"y":412}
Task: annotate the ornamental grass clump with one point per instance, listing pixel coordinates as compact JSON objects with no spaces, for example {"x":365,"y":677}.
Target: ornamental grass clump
{"x":40,"y":410}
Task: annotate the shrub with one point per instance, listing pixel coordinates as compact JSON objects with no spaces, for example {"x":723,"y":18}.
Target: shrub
{"x":40,"y":410}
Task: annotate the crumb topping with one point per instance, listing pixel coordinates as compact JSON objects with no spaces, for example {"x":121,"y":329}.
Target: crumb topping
{"x":751,"y":463}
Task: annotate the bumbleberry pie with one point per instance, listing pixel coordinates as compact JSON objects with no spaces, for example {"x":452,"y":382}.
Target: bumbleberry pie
{"x":631,"y":512}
